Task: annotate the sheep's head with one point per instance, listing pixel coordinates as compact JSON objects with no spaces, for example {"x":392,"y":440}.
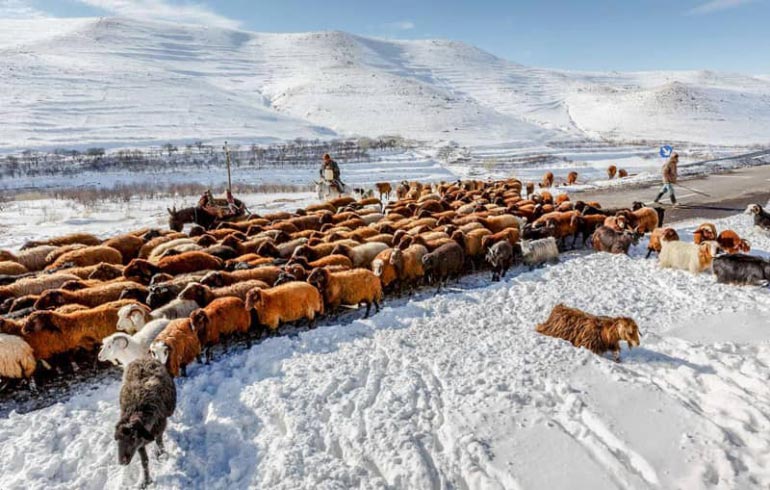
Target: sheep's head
{"x":319,"y":278}
{"x":254,"y":299}
{"x":131,"y":318}
{"x":342,"y":249}
{"x":267,"y":249}
{"x":199,"y":320}
{"x":296,"y":270}
{"x":196,"y":292}
{"x":708,"y":250}
{"x":152,"y":233}
{"x":111,"y":346}
{"x":131,"y":435}
{"x":105,"y":272}
{"x":6,"y":255}
{"x":160,"y":351}
{"x":159,"y":295}
{"x":669,"y":235}
{"x":744,"y":246}
{"x":74,"y":285}
{"x":39,"y":321}
{"x":429,"y":261}
{"x":214,"y":279}
{"x":137,"y":293}
{"x":140,"y":270}
{"x":302,"y":251}
{"x":284,"y":277}
{"x":51,"y":299}
{"x":206,"y":240}
{"x":627,"y":330}
{"x":753,"y":209}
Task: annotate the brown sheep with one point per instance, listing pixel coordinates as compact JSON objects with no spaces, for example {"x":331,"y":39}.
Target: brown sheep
{"x":361,"y":255}
{"x":223,"y":317}
{"x":203,"y":295}
{"x":11,"y":268}
{"x":351,"y":287}
{"x":598,"y":334}
{"x":176,"y":346}
{"x":659,"y":235}
{"x":408,"y":265}
{"x":88,"y":256}
{"x":547,"y":180}
{"x":499,"y":223}
{"x":59,"y":251}
{"x":141,"y":270}
{"x":611,"y":171}
{"x":704,"y":233}
{"x":471,"y":244}
{"x":73,"y":238}
{"x":511,"y":235}
{"x":622,"y":173}
{"x":288,"y":302}
{"x":644,"y":219}
{"x":384,"y":189}
{"x":384,"y":269}
{"x":92,"y":296}
{"x":530,"y":188}
{"x":52,"y":333}
{"x":128,"y":245}
{"x":331,"y":260}
{"x":34,"y":259}
{"x":34,"y":285}
{"x":731,"y":243}
{"x":572,"y":178}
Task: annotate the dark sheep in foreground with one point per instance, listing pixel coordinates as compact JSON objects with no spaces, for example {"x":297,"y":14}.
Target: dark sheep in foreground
{"x":444,"y":263}
{"x":605,"y":239}
{"x":598,"y":334}
{"x":147,"y":400}
{"x":741,"y":269}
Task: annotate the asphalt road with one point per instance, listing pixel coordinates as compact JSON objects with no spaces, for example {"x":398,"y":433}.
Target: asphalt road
{"x":732,"y":190}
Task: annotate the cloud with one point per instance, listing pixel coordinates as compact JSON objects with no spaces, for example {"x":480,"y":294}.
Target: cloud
{"x":189,"y":13}
{"x":401,"y":25}
{"x":717,"y":5}
{"x":19,"y":9}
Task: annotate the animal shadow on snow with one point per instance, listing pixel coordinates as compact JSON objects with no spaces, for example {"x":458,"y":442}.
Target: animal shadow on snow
{"x":641,"y":355}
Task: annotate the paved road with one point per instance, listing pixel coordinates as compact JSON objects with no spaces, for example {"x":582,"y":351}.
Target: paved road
{"x":735,"y":189}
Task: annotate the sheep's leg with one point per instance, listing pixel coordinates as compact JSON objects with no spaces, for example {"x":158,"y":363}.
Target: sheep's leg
{"x":184,"y":369}
{"x":311,"y":321}
{"x":649,"y":252}
{"x":209,"y":355}
{"x":145,"y":467}
{"x":368,"y":308}
{"x":160,"y":450}
{"x":376,"y":306}
{"x":616,"y":355}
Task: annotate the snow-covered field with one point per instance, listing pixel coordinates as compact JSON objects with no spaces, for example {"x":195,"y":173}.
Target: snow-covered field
{"x":117,"y":82}
{"x":448,"y":391}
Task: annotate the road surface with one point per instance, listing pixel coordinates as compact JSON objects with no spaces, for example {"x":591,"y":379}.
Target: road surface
{"x":731,"y":191}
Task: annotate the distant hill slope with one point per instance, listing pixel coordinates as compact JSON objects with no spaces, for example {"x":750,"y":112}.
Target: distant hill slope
{"x":122,"y":82}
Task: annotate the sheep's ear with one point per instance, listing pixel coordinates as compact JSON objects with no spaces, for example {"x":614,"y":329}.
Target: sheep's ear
{"x":122,"y":340}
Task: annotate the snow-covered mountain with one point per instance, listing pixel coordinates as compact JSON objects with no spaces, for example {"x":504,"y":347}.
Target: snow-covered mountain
{"x":122,"y":82}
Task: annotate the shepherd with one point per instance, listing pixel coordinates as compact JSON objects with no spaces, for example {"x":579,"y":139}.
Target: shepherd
{"x":669,"y":178}
{"x":330,"y":172}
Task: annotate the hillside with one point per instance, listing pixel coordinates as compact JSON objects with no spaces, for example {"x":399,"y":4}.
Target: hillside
{"x":121,"y":82}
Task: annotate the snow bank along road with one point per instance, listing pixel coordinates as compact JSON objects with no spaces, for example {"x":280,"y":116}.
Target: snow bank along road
{"x":458,"y":391}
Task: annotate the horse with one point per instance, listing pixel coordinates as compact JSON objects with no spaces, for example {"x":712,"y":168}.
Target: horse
{"x":198,"y":215}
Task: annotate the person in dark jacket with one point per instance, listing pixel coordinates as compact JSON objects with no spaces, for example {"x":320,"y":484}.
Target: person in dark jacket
{"x":329,"y":164}
{"x":669,"y":178}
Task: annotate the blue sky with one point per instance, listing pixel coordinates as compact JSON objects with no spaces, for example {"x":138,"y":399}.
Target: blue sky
{"x":725,"y":35}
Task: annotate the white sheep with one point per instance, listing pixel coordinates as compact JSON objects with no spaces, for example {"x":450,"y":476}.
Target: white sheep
{"x":158,"y":251}
{"x":536,"y":252}
{"x":687,"y":256}
{"x":17,"y":361}
{"x":121,"y":348}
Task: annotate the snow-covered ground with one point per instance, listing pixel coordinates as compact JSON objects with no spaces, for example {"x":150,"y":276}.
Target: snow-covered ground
{"x":74,"y":83}
{"x":449,"y":391}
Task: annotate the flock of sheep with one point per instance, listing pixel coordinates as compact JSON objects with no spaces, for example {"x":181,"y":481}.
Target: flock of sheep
{"x":154,"y":298}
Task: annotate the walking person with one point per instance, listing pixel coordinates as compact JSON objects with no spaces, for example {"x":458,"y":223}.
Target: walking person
{"x":330,"y":165}
{"x":669,"y":178}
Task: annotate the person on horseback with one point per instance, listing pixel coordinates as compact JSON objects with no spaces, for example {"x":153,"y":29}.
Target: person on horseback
{"x":330,"y":172}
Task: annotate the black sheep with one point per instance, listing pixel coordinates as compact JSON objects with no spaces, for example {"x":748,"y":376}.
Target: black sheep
{"x":761,"y":217}
{"x":147,"y":400}
{"x":741,"y":269}
{"x":443,"y":263}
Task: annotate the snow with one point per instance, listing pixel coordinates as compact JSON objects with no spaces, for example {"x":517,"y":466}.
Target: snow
{"x":453,"y":391}
{"x":120,"y":82}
